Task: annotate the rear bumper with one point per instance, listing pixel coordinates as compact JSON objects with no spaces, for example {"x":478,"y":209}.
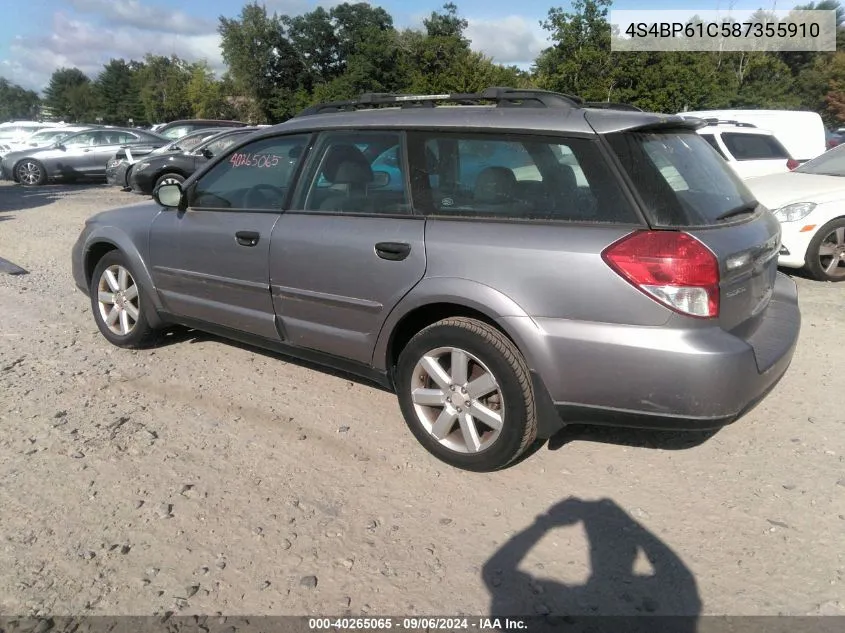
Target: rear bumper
{"x":698,"y":378}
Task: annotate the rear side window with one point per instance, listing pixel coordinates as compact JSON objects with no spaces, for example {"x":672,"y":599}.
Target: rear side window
{"x":516,"y":177}
{"x":711,"y":140}
{"x":680,"y":180}
{"x":754,"y":146}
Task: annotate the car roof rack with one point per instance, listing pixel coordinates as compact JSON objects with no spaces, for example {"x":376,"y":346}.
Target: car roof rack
{"x":609,"y":105}
{"x":501,"y":96}
{"x":714,"y":121}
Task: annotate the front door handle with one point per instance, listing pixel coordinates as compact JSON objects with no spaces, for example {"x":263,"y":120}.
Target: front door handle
{"x":247,"y":238}
{"x":393,"y":251}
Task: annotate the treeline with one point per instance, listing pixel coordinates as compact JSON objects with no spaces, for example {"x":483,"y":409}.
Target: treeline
{"x":279,"y":64}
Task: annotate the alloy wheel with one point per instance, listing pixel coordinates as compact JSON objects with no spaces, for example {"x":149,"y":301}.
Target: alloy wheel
{"x":29,"y":173}
{"x":118,"y":300}
{"x":457,"y":400}
{"x":832,"y":253}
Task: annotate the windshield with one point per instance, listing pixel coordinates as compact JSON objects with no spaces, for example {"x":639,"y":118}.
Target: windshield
{"x":831,"y":163}
{"x":681,"y":179}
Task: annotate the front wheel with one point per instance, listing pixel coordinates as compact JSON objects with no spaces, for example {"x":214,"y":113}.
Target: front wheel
{"x":117,"y":300}
{"x":29,"y":172}
{"x":826,"y":253}
{"x":169,"y":179}
{"x":466,"y":394}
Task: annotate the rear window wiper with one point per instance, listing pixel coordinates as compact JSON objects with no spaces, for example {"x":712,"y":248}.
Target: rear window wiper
{"x":748,"y":207}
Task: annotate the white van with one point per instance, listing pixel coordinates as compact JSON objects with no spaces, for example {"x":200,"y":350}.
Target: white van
{"x":800,"y":131}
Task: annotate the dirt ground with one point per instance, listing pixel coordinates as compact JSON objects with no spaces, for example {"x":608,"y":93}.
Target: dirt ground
{"x":205,"y":477}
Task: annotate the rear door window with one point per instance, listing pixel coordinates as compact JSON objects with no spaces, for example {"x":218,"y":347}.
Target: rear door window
{"x":679,"y":179}
{"x":511,"y":176}
{"x":754,"y":146}
{"x":711,"y":140}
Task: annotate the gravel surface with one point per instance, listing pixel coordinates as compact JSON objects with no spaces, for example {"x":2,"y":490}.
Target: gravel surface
{"x":206,"y":477}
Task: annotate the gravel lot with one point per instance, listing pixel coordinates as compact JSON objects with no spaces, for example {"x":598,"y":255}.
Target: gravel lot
{"x":204,"y":477}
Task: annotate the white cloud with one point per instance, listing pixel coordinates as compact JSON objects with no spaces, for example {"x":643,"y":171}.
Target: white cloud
{"x":72,"y":42}
{"x":509,"y":40}
{"x":132,"y":13}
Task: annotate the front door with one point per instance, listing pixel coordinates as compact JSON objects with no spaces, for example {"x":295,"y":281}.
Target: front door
{"x":348,"y":249}
{"x":210,"y":262}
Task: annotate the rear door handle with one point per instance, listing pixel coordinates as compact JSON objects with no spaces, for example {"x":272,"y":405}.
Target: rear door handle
{"x":247,"y":238}
{"x":393,"y":251}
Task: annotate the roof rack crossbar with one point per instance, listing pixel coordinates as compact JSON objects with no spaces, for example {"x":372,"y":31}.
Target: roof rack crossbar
{"x":717,"y":121}
{"x":501,"y":96}
{"x":609,"y":105}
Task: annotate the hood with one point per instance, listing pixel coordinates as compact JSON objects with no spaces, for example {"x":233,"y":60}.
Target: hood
{"x":777,"y":190}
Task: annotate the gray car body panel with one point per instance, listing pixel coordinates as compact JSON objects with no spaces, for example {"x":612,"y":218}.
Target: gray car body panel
{"x":599,"y":350}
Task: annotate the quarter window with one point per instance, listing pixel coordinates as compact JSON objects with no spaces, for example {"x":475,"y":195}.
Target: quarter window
{"x":255,"y":176}
{"x":519,"y":177}
{"x":356,"y":172}
{"x":754,"y":146}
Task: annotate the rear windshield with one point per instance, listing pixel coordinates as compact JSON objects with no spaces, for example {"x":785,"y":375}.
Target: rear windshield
{"x":831,"y":163}
{"x":754,"y":146}
{"x":679,"y":177}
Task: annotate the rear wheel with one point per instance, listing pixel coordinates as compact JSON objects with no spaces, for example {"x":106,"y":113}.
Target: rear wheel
{"x":169,"y":179}
{"x":117,"y":300}
{"x":826,"y":253}
{"x":465,"y":393}
{"x":29,"y":172}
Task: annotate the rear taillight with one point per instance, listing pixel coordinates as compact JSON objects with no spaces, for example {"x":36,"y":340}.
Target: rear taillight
{"x":792,"y":164}
{"x":672,"y":267}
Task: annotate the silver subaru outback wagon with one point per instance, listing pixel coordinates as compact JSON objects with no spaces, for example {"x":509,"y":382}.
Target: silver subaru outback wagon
{"x":508,"y":262}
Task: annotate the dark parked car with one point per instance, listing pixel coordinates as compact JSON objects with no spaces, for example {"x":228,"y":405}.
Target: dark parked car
{"x":645,"y":294}
{"x":81,"y":155}
{"x":178,"y":129}
{"x":120,"y":166}
{"x":174,"y":167}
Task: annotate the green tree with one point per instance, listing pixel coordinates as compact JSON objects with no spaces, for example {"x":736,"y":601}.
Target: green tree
{"x":16,"y":102}
{"x":119,"y":93}
{"x":68,"y":94}
{"x":207,"y":95}
{"x":163,"y":88}
{"x":314,"y":38}
{"x":579,"y":61}
{"x":263,"y":63}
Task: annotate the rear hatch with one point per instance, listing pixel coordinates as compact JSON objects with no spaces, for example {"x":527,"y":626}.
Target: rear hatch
{"x":684,"y":185}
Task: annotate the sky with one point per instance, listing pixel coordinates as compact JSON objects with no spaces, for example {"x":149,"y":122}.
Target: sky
{"x":38,"y":36}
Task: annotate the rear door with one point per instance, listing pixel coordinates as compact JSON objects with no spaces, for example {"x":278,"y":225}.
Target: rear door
{"x":210,"y":263}
{"x":348,"y":249}
{"x":685,"y":186}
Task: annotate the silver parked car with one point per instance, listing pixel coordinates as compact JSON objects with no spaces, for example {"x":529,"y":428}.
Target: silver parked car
{"x":81,"y":155}
{"x":506,"y":268}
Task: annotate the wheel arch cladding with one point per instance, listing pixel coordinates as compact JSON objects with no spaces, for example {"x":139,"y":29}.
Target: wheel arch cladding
{"x":106,"y":241}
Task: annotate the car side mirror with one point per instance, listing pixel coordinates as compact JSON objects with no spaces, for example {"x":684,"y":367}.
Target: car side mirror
{"x":61,"y":146}
{"x":207,"y":153}
{"x":170,"y":196}
{"x":381,"y":179}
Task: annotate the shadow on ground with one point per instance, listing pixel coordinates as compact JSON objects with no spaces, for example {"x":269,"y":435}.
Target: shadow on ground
{"x":632,"y":573}
{"x":19,"y":198}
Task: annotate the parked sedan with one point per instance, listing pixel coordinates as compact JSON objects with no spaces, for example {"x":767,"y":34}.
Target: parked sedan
{"x":119,"y":168}
{"x":810,"y":204}
{"x":177,"y":129}
{"x":175,"y":167}
{"x":81,"y":155}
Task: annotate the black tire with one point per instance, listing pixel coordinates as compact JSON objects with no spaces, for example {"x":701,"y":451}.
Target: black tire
{"x":813,"y":264}
{"x":165,"y":177}
{"x":141,"y":333}
{"x":24,"y":172}
{"x":507,"y":365}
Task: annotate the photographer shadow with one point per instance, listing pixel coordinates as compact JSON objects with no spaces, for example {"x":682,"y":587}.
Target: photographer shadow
{"x":614,"y":597}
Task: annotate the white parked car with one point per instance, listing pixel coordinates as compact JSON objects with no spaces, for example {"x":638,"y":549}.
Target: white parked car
{"x":17,"y":130}
{"x":749,"y":150}
{"x":800,"y":131}
{"x":810,"y":204}
{"x":41,"y":138}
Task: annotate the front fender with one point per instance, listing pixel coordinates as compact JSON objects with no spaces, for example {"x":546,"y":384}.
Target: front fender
{"x":112,"y":235}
